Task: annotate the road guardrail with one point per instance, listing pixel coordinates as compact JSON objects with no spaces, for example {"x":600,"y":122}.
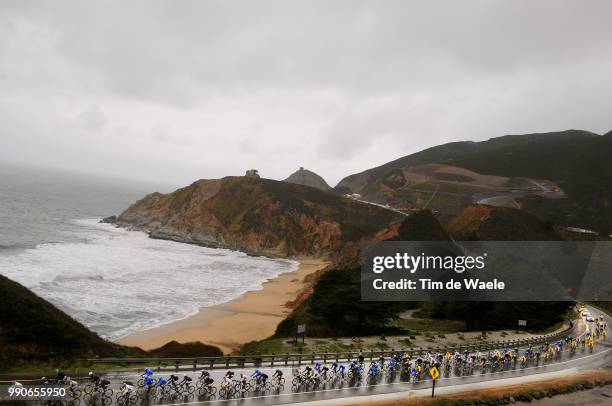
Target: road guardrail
{"x":297,"y":359}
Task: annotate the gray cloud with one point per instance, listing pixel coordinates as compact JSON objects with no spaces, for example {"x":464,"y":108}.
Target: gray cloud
{"x":190,"y":89}
{"x":92,"y":118}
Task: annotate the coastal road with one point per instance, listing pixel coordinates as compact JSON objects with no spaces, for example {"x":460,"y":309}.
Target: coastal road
{"x":582,"y":359}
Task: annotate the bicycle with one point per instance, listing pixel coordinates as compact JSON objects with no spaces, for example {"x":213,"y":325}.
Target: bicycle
{"x":183,"y":388}
{"x":227,"y":389}
{"x":148,"y":373}
{"x":205,"y":386}
{"x":126,"y":396}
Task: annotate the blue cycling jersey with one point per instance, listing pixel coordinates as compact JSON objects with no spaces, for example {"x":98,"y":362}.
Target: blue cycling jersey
{"x":256,"y":373}
{"x":161,"y":381}
{"x":148,"y":371}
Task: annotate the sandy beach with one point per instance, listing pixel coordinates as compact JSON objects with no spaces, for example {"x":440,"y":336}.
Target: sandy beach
{"x":252,"y":316}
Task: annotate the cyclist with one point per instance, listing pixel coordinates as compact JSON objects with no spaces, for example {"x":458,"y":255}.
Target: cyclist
{"x":227,"y":380}
{"x":161,"y":384}
{"x":308,"y":372}
{"x":127,"y":388}
{"x":324,"y":371}
{"x":149,"y":382}
{"x":277,"y":375}
{"x":374,"y":369}
{"x":60,"y":376}
{"x":93,"y":377}
{"x":243,"y":380}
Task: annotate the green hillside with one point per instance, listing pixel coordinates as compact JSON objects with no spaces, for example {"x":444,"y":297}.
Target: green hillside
{"x":578,"y":161}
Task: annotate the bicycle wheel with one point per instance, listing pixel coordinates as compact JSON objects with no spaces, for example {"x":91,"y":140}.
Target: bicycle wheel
{"x":212,"y":390}
{"x":75,"y":394}
{"x":89,"y":389}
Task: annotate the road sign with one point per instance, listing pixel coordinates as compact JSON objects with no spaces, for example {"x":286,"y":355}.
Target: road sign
{"x":301,"y":328}
{"x":522,"y":322}
{"x":433,"y":371}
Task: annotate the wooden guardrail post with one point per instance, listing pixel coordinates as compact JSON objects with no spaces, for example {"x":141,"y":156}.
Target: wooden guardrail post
{"x":177,"y":365}
{"x":227,"y":361}
{"x":212,"y":363}
{"x":272,"y":360}
{"x":287,"y":359}
{"x":300,"y":360}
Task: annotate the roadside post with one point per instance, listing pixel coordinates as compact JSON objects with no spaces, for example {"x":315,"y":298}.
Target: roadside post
{"x":435,"y":374}
{"x":301,"y":329}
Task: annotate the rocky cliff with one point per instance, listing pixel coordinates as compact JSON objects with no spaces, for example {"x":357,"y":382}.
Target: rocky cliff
{"x":257,"y":216}
{"x":480,"y":222}
{"x":308,"y":178}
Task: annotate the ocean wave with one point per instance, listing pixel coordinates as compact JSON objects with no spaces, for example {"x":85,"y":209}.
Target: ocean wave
{"x":117,"y":281}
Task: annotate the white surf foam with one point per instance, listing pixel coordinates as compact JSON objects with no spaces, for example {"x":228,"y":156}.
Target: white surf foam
{"x":116,"y":281}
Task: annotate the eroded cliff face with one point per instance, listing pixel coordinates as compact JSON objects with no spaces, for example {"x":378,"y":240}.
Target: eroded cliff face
{"x":258,"y":216}
{"x":489,"y":223}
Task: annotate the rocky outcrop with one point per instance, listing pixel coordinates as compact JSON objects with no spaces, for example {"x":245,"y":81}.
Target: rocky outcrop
{"x":257,"y":216}
{"x":489,"y":223}
{"x":308,"y":178}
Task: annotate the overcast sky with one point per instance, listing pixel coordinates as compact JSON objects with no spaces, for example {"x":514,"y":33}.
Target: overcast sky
{"x":173,"y":91}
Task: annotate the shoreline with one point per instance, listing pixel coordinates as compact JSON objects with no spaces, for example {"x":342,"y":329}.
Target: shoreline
{"x":250,"y":317}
